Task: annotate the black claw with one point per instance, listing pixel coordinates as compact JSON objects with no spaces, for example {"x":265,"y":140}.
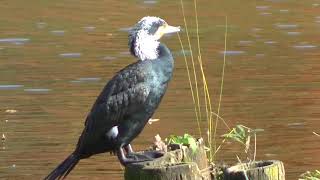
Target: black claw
{"x":128,"y":149}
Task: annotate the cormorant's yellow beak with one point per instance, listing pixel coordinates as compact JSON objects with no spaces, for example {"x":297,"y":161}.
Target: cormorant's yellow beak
{"x":171,"y":29}
{"x":166,"y":29}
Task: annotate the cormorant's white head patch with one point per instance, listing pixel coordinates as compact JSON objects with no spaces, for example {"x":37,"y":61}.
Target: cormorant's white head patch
{"x":143,"y":44}
{"x":144,"y":36}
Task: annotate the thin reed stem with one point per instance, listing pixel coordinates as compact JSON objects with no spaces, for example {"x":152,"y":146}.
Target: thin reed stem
{"x":192,"y":60}
{"x":224,"y":122}
{"x":222,"y":80}
{"x":200,"y":58}
{"x":207,"y":99}
{"x":255,"y":147}
{"x":190,"y":84}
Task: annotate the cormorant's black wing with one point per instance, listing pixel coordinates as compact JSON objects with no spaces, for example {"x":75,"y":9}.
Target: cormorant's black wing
{"x":124,"y":94}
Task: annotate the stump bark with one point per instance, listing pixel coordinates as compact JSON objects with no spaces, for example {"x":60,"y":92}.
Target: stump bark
{"x":260,"y":170}
{"x":181,"y":163}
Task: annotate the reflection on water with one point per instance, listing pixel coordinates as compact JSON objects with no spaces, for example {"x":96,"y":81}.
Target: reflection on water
{"x":271,"y":81}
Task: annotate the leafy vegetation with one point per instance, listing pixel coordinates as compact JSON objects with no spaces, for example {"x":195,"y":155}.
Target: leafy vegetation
{"x":310,"y":175}
{"x":240,"y":134}
{"x":243,"y":134}
{"x":186,"y":140}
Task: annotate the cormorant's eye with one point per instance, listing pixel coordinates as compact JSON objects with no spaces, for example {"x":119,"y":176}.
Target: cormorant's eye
{"x":154,"y":27}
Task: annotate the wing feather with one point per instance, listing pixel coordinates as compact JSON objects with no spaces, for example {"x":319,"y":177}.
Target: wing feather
{"x":123,"y":95}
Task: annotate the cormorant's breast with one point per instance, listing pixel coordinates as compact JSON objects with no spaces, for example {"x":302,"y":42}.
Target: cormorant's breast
{"x":164,"y":64}
{"x":162,"y":69}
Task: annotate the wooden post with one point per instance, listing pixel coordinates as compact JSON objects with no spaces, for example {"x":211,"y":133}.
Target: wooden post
{"x":178,"y":164}
{"x":260,"y":170}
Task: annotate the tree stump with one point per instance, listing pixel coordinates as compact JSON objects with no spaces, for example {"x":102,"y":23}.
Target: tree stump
{"x":260,"y":170}
{"x":178,"y":164}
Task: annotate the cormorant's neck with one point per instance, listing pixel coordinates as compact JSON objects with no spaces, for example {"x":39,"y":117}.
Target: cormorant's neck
{"x":145,"y":46}
{"x":164,"y":52}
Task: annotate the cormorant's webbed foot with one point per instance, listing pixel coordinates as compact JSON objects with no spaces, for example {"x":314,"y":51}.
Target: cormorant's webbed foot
{"x":136,"y":157}
{"x":152,"y":154}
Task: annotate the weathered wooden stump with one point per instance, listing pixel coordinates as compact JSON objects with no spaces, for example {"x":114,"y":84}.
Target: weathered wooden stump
{"x":179,"y":163}
{"x":257,"y":170}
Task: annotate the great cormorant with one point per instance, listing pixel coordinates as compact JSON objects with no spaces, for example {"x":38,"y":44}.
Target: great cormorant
{"x":128,"y":100}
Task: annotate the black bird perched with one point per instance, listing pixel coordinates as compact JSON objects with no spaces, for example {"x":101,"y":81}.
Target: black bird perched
{"x":128,"y":100}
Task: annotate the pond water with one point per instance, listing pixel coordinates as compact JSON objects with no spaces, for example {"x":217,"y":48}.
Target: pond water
{"x":56,"y":56}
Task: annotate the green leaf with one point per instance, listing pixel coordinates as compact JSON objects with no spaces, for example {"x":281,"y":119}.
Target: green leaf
{"x":239,"y":134}
{"x":186,"y":140}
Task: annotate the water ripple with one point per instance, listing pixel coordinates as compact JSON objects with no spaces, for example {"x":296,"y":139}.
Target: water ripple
{"x":89,"y":28}
{"x":232,"y":53}
{"x":265,"y":14}
{"x":270,"y":42}
{"x":248,"y":42}
{"x":58,"y":32}
{"x":109,"y":58}
{"x":10,"y":86}
{"x":293,"y":33}
{"x":150,"y":2}
{"x":14,"y":40}
{"x":70,"y":55}
{"x":304,"y":46}
{"x":41,"y":25}
{"x":284,"y":10}
{"x":286,"y":26}
{"x":296,"y":124}
{"x":262,"y":7}
{"x":125,"y":54}
{"x":37,"y":90}
{"x":180,"y":53}
{"x":86,"y":79}
{"x":125,"y":29}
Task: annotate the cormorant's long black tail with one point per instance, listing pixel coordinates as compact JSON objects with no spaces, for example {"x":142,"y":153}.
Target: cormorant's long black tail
{"x":64,"y":168}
